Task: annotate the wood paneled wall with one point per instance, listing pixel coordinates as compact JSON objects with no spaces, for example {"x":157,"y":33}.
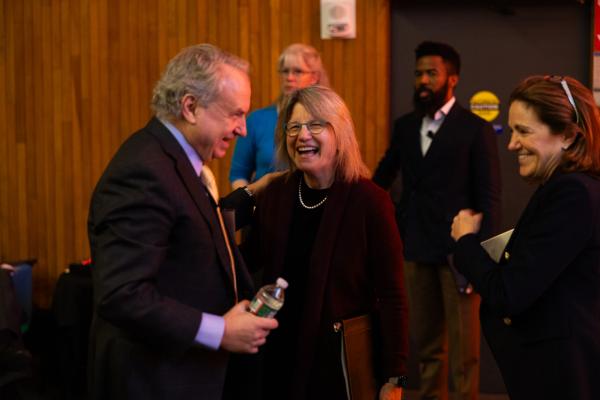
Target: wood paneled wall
{"x":76,"y":78}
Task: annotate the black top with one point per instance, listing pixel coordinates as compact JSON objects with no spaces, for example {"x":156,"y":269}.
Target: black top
{"x":303,"y":231}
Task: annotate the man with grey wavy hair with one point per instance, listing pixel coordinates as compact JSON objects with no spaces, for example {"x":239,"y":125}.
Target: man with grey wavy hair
{"x":168,"y":279}
{"x":196,"y":71}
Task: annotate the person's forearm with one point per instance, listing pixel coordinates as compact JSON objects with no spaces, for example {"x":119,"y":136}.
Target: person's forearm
{"x":238,"y":183}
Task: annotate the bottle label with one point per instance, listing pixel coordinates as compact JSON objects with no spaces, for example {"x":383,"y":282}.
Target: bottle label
{"x":259,"y":308}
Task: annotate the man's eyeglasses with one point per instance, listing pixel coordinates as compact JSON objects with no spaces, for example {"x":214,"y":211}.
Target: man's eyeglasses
{"x":296,"y":72}
{"x":565,"y":86}
{"x":315,"y":127}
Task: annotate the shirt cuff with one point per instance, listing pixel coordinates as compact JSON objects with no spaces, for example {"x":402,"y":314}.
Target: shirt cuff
{"x":210,"y":332}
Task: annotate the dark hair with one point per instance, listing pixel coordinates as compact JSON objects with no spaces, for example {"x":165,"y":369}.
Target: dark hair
{"x":447,"y":52}
{"x":548,"y":98}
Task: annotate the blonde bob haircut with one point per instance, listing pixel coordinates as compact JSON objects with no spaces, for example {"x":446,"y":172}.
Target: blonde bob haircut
{"x":324,"y":104}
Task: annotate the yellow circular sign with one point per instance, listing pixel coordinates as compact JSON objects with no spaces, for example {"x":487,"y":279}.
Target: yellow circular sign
{"x":486,"y":105}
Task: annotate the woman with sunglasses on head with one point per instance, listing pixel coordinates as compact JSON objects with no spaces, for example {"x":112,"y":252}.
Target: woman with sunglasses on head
{"x":330,"y":232}
{"x":298,"y":66}
{"x":540,"y":309}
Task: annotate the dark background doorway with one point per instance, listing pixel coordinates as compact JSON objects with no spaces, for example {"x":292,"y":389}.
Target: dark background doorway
{"x":500,"y":43}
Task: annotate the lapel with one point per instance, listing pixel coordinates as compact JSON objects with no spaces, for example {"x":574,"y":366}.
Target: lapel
{"x":284,"y":201}
{"x":444,"y":136}
{"x":529,"y":211}
{"x":281,"y":208}
{"x":319,"y":264}
{"x":414,"y":140}
{"x":217,"y":233}
{"x":414,"y":155}
{"x":195,"y":188}
{"x":323,"y":251}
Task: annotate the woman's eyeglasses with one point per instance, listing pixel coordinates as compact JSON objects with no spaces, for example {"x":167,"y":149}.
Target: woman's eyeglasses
{"x":315,"y":127}
{"x":565,"y":86}
{"x":296,"y":72}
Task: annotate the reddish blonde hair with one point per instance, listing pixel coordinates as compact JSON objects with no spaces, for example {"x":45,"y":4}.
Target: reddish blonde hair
{"x":581,"y":120}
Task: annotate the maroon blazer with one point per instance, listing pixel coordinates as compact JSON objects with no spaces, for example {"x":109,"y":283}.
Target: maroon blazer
{"x":356,"y":267}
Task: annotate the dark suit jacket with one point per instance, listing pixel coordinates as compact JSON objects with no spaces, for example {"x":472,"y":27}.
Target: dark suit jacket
{"x":460,"y":170}
{"x":159,"y":261}
{"x":10,"y":311}
{"x":355,"y":268}
{"x":540,"y":309}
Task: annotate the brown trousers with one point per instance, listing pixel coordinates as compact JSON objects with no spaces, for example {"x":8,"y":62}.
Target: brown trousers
{"x":445,"y":327}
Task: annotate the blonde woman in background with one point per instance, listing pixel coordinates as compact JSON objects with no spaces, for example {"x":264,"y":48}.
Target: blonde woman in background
{"x":298,"y":66}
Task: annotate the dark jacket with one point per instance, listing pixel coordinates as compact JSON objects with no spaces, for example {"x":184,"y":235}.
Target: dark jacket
{"x":460,"y":170}
{"x":540,"y":308}
{"x":159,"y":261}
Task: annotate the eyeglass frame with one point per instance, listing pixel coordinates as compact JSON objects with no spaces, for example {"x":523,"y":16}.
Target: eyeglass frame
{"x":565,"y":86}
{"x":296,"y":72}
{"x":307,"y":125}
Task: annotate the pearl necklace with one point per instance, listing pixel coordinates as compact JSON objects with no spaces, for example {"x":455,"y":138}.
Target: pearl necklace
{"x":302,"y":201}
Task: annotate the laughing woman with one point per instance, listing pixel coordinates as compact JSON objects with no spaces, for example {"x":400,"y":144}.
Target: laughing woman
{"x":299,"y":66}
{"x":331,"y":234}
{"x":540,"y":309}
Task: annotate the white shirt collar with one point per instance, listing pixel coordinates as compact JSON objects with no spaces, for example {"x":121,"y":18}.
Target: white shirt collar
{"x":430,"y":126}
{"x":442,"y":112}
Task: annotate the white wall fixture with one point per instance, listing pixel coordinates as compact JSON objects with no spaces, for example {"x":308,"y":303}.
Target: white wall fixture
{"x":338,"y":19}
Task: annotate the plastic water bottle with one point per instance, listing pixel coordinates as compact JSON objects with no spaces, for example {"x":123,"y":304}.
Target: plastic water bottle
{"x":269,"y":299}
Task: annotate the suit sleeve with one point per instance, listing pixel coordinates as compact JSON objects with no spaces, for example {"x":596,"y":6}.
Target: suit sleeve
{"x":130,"y":230}
{"x":541,"y":252}
{"x":485,"y":170}
{"x":385,"y":258}
{"x":242,"y":204}
{"x":388,"y":167}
